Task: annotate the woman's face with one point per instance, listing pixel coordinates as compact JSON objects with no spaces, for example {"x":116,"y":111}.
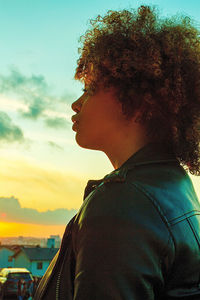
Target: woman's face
{"x":98,"y":117}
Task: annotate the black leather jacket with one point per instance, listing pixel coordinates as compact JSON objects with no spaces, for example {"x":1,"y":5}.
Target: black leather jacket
{"x":136,"y":236}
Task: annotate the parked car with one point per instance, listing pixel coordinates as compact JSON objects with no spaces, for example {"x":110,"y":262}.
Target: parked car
{"x":10,"y":278}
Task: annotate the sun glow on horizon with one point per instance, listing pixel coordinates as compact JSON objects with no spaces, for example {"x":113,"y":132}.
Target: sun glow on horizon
{"x":30,"y":230}
{"x":39,"y":187}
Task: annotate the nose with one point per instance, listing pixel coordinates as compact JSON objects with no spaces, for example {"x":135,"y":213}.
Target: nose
{"x":76,"y":105}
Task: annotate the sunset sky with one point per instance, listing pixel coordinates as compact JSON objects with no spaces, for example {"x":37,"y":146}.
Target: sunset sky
{"x":42,"y":170}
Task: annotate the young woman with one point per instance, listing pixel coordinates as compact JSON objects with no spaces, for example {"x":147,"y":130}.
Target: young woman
{"x":137,"y":234}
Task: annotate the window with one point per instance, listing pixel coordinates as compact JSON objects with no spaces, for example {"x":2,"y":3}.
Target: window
{"x":25,"y":276}
{"x":39,"y":265}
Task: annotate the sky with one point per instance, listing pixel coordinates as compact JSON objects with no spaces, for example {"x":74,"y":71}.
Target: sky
{"x":42,"y":170}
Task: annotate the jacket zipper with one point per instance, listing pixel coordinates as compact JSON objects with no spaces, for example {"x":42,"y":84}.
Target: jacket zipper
{"x":58,"y":285}
{"x":62,"y":265}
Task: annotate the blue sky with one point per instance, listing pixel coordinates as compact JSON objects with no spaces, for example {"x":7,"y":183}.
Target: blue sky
{"x":42,"y":36}
{"x":41,"y":165}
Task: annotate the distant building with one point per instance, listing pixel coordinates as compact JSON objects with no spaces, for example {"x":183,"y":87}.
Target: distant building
{"x":57,"y":240}
{"x":50,"y":243}
{"x":35,"y":259}
{"x":23,"y":240}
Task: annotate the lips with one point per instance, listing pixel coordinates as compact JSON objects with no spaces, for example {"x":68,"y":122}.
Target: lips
{"x":75,"y":123}
{"x":74,"y":118}
{"x":75,"y":126}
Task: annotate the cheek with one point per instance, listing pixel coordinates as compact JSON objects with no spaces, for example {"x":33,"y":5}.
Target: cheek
{"x":90,"y":134}
{"x":91,"y":119}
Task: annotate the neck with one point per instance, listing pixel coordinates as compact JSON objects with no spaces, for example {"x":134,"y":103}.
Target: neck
{"x":124,"y":147}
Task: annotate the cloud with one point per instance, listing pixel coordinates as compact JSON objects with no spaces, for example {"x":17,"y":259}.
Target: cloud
{"x":54,"y":145}
{"x":68,"y":97}
{"x":16,"y":81}
{"x":37,"y":97}
{"x":35,"y":109}
{"x":32,"y":90}
{"x":9,"y":132}
{"x":56,"y":122}
{"x":11,"y":211}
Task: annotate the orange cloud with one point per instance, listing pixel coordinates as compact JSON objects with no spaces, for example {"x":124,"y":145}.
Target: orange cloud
{"x":3,"y":215}
{"x":40,"y":188}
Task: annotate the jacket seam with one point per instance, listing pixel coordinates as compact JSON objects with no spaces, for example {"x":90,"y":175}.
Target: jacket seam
{"x":183,"y":217}
{"x":77,"y":217}
{"x":159,"y":210}
{"x":194,"y":231}
{"x":171,"y":238}
{"x":196,"y":236}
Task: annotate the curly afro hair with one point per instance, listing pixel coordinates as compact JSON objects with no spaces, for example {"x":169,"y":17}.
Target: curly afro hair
{"x":154,"y":65}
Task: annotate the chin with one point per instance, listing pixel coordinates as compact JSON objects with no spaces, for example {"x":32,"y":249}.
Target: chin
{"x":86,"y":144}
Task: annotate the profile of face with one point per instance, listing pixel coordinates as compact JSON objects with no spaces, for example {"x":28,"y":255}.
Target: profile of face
{"x":97,"y":120}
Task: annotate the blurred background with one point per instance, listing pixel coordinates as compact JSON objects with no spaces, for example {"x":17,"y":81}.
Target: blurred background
{"x":42,"y":171}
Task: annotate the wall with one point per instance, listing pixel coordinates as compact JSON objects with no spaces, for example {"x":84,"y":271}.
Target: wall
{"x":37,"y":272}
{"x":4,"y":255}
{"x":21,"y":261}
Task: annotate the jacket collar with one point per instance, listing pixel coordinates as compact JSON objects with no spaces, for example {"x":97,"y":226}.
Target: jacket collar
{"x":152,"y":153}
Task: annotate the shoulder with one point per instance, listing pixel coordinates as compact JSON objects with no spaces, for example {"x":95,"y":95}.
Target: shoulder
{"x":123,"y":214}
{"x":121,"y":202}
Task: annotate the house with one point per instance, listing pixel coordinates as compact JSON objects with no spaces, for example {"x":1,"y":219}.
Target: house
{"x":6,"y":254}
{"x":35,"y":259}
